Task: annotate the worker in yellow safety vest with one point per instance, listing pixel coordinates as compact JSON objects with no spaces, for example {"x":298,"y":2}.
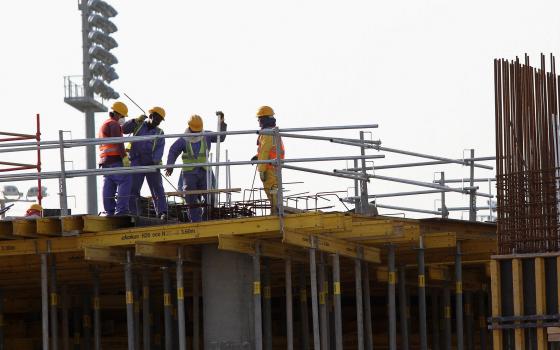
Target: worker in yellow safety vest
{"x":266,"y":150}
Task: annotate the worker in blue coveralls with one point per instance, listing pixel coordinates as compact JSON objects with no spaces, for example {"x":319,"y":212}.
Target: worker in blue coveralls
{"x":144,"y":153}
{"x":194,"y":149}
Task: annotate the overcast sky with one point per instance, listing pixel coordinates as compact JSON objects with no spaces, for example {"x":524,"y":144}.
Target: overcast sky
{"x":422,"y":70}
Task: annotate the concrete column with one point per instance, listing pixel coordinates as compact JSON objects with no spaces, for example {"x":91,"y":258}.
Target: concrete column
{"x":227,"y":291}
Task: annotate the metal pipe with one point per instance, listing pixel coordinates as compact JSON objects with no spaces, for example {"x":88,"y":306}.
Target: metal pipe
{"x":459,"y":297}
{"x":96,"y":311}
{"x":415,"y":164}
{"x":196,"y":309}
{"x":444,"y":211}
{"x":289,"y":304}
{"x":167,"y":309}
{"x":337,"y":302}
{"x":482,"y":320}
{"x":483,"y":179}
{"x":447,"y":313}
{"x":54,"y":303}
{"x":403,"y":307}
{"x":65,"y":319}
{"x":320,"y":172}
{"x":257,"y":297}
{"x":426,"y":184}
{"x":364,"y":204}
{"x":343,"y":141}
{"x":423,"y":327}
{"x":87,"y":320}
{"x":45,"y":301}
{"x":469,"y":318}
{"x":391,"y":280}
{"x":323,"y":318}
{"x":267,"y":307}
{"x":62,"y":178}
{"x":279,"y":187}
{"x":129,"y":301}
{"x":367,"y":307}
{"x":394,"y":207}
{"x":181,"y":301}
{"x":435,"y":320}
{"x":136,"y":296}
{"x":303,"y":310}
{"x":77,"y":323}
{"x":359,"y":303}
{"x":146,"y":322}
{"x":314,"y":304}
{"x":472,"y":191}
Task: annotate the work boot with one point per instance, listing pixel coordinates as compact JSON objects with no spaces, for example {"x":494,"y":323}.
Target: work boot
{"x":163,"y":217}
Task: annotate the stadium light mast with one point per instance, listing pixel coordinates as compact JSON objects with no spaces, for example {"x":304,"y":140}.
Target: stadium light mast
{"x":88,"y":92}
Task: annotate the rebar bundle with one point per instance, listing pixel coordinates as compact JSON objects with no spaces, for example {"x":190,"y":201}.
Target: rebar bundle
{"x":527,"y":156}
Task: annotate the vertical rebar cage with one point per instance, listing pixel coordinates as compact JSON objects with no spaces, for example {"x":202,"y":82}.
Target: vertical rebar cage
{"x":527,"y":156}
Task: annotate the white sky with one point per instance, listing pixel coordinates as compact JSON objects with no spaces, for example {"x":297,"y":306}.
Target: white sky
{"x":422,"y":70}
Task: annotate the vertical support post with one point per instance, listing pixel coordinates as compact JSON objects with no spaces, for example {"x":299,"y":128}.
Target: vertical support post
{"x":45,"y":301}
{"x":403,"y":307}
{"x":181,"y":301}
{"x":77,"y":326}
{"x":280,"y":186}
{"x":540,"y":291}
{"x":472,"y":192}
{"x":65,"y":319}
{"x":87,"y":320}
{"x":2,"y":343}
{"x":289,"y":304}
{"x":423,"y":327}
{"x":314,"y":304}
{"x":257,"y":297}
{"x":391,"y":281}
{"x":444,"y":211}
{"x":303,"y":310}
{"x":129,"y":301}
{"x":146,"y":322}
{"x":323,"y":290}
{"x":469,"y":319}
{"x":364,"y":202}
{"x":359,"y":303}
{"x":196,"y":307}
{"x":267,"y":308}
{"x":482,"y":320}
{"x":358,"y":204}
{"x":517,"y":277}
{"x":367,"y":307}
{"x":435,"y":319}
{"x":496,"y":292}
{"x":459,"y":297}
{"x":136,"y":296}
{"x":38,"y":139}
{"x":96,"y":312}
{"x":62,"y":179}
{"x":447,"y":313}
{"x":54,"y":304}
{"x":167,"y":309}
{"x":337,"y":302}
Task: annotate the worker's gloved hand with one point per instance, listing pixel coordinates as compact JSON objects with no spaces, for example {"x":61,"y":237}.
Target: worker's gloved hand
{"x":262,"y":174}
{"x":168,"y":171}
{"x":254,"y":158}
{"x":141,"y":118}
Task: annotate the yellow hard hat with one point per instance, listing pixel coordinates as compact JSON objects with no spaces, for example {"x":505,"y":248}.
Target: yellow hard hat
{"x":195,"y":123}
{"x":159,"y":111}
{"x":265,"y":111}
{"x":36,"y":206}
{"x":120,"y":108}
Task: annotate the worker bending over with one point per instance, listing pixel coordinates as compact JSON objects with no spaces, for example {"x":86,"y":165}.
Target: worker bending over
{"x":111,"y":156}
{"x":194,"y":150}
{"x":144,"y":153}
{"x":34,"y":211}
{"x":266,"y":150}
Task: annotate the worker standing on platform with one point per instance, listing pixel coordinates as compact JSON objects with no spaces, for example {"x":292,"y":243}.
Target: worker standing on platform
{"x":144,"y":153}
{"x":194,"y":150}
{"x":266,"y":150}
{"x":111,"y":156}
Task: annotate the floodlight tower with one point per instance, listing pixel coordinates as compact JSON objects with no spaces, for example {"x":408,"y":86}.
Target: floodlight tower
{"x":89,"y":94}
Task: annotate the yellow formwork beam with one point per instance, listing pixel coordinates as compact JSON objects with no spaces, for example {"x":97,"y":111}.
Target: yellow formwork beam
{"x":49,"y":226}
{"x":165,"y":252}
{"x":517,"y":277}
{"x":437,"y":273}
{"x":332,"y":245}
{"x":496,"y":292}
{"x":439,"y":240}
{"x":24,"y":228}
{"x":195,"y":233}
{"x":267,"y":248}
{"x":540,"y":302}
{"x":105,"y":254}
{"x":6,"y":229}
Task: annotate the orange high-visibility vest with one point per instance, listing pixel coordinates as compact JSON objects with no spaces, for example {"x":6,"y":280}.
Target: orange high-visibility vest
{"x":107,"y":150}
{"x":272,"y":151}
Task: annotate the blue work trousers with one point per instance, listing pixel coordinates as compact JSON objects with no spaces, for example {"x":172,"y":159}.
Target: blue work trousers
{"x":119,"y":186}
{"x":156,"y":189}
{"x":195,"y":180}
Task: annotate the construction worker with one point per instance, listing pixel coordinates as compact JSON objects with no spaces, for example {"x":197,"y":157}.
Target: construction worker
{"x":194,"y":150}
{"x":266,"y":150}
{"x":111,"y":156}
{"x":34,"y":211}
{"x":144,"y":153}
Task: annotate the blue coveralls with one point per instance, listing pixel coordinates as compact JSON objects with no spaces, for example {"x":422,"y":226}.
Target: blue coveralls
{"x":146,"y":153}
{"x":196,"y":178}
